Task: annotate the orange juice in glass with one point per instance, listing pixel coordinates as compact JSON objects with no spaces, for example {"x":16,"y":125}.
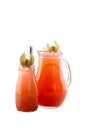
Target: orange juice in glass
{"x":26,"y":90}
{"x":52,"y":86}
{"x":26,"y":96}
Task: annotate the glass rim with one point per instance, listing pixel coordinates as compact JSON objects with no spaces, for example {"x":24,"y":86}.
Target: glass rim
{"x":26,"y":67}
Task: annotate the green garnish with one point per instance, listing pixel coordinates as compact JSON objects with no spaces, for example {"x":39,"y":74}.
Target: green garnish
{"x":50,"y":48}
{"x":23,"y":58}
{"x":24,"y":61}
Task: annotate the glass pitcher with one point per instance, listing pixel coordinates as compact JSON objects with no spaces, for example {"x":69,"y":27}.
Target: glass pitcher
{"x":52,"y":86}
{"x":26,"y":96}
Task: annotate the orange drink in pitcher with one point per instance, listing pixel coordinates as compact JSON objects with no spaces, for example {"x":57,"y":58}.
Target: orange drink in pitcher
{"x":52,"y":86}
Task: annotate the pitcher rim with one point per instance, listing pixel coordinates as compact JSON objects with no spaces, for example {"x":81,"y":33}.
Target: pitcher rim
{"x":52,"y":52}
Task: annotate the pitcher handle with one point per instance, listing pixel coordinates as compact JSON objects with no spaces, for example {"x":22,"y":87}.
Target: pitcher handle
{"x":68,"y":71}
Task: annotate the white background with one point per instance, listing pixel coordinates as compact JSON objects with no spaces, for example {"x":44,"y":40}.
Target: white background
{"x":35,"y":22}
